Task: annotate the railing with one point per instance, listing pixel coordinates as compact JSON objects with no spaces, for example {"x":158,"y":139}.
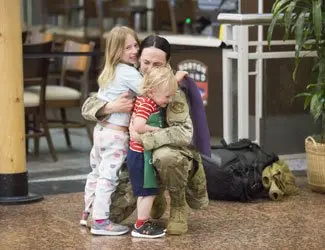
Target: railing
{"x":236,"y":28}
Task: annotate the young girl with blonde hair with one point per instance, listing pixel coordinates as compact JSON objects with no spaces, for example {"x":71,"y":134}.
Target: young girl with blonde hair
{"x":111,"y":138}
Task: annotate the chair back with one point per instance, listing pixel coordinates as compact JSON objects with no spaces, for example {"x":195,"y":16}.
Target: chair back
{"x":75,"y":69}
{"x":36,"y":67}
{"x":77,"y":63}
{"x":39,"y":37}
{"x":35,"y":70}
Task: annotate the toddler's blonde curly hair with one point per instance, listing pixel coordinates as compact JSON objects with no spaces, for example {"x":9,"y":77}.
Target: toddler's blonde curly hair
{"x":158,"y":77}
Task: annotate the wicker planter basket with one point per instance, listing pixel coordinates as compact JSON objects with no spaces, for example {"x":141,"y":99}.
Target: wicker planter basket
{"x":315,"y":155}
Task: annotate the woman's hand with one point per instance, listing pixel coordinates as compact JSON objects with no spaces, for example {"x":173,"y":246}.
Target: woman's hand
{"x":180,"y":75}
{"x":123,"y":104}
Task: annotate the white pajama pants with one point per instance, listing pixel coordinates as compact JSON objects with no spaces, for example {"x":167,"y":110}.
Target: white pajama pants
{"x":106,"y":158}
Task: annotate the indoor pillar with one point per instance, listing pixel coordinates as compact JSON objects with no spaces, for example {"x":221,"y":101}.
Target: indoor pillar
{"x":13,"y":174}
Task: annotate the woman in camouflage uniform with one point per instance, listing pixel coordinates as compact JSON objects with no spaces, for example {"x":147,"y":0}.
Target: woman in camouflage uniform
{"x":179,"y":164}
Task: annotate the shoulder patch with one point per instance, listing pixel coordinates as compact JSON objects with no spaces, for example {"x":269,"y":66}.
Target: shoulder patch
{"x":177,"y":107}
{"x":177,"y":110}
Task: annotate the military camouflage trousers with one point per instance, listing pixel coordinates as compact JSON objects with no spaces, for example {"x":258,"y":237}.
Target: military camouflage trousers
{"x":180,"y":173}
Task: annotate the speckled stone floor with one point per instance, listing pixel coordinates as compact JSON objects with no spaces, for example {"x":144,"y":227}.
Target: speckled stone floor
{"x":297,"y":222}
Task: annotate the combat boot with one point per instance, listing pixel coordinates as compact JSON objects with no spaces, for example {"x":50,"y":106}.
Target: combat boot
{"x":196,"y":189}
{"x":159,"y":204}
{"x":177,"y":223}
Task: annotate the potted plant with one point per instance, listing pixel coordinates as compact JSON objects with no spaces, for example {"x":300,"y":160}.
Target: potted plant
{"x":304,"y":19}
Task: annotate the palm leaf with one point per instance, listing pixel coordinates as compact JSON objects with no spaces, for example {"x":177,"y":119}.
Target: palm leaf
{"x":305,"y":19}
{"x":314,"y":85}
{"x":316,"y":106}
{"x":317,"y":19}
{"x":307,"y":101}
{"x":278,"y":8}
{"x":288,"y":18}
{"x":278,"y":5}
{"x":304,"y":94}
{"x":321,"y":65}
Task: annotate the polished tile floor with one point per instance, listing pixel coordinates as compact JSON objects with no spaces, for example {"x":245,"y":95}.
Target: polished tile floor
{"x":295,"y":223}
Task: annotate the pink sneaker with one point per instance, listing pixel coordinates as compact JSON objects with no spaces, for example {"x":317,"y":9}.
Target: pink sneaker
{"x":108,"y":228}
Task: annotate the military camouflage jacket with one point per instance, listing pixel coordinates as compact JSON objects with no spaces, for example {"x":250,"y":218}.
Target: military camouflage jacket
{"x":91,"y":107}
{"x":179,"y":132}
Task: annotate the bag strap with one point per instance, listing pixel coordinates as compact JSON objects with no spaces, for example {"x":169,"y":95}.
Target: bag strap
{"x":241,"y":144}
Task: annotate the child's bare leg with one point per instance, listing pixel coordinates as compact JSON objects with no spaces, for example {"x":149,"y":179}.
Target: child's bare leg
{"x":144,"y":205}
{"x":144,"y":227}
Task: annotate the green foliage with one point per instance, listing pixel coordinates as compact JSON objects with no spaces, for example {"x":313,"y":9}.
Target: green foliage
{"x":314,"y":99}
{"x":304,"y":19}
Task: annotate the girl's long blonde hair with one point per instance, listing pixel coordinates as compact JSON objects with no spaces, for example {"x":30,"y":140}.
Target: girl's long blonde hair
{"x":115,"y":43}
{"x":162,"y":76}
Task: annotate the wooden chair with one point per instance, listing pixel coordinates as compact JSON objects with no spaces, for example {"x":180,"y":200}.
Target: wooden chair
{"x":35,"y":73}
{"x":42,"y":37}
{"x":34,"y":37}
{"x":73,"y":88}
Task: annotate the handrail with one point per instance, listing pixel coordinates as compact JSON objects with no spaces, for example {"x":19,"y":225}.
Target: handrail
{"x":249,"y":19}
{"x":236,"y":33}
{"x":245,"y":19}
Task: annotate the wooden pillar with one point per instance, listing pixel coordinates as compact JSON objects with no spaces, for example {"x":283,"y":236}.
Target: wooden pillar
{"x":13,"y":174}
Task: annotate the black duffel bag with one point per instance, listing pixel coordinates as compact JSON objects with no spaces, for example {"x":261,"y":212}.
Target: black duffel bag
{"x":234,"y":172}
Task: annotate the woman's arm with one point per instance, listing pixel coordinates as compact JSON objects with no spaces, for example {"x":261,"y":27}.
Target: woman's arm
{"x":90,"y":109}
{"x":179,"y":132}
{"x":97,"y":110}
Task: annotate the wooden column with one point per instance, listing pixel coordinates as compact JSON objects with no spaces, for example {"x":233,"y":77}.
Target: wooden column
{"x":13,"y":174}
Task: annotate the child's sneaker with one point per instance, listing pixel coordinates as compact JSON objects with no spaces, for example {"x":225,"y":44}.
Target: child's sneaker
{"x":84,"y":218}
{"x":148,"y":230}
{"x":108,"y":228}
